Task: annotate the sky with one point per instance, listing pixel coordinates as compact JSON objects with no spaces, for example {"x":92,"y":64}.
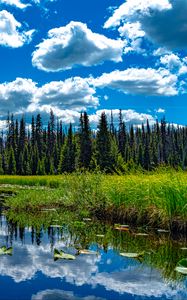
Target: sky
{"x":94,"y":56}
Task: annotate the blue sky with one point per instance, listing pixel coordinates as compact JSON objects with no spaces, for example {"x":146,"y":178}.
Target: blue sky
{"x":75,"y":55}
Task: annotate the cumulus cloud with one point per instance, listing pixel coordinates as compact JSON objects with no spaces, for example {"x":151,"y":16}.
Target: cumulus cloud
{"x":130,"y":117}
{"x":132,"y":7}
{"x":161,"y":51}
{"x":73,"y":92}
{"x":21,"y":5}
{"x":164,"y":22}
{"x":17,"y":3}
{"x":11,"y":34}
{"x":74,"y":45}
{"x":140,"y":81}
{"x":174,"y":63}
{"x":66,"y":98}
{"x":134,"y":36}
{"x":131,"y":30}
{"x":15,"y":96}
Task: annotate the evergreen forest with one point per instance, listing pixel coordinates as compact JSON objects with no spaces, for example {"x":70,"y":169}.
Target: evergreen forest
{"x":36,"y":149}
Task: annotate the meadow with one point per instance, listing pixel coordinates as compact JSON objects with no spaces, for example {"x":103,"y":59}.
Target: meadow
{"x":153,"y":199}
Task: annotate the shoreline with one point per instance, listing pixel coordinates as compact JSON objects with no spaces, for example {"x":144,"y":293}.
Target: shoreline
{"x":155,"y":200}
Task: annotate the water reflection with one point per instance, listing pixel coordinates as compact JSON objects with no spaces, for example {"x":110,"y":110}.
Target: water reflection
{"x":32,"y":273}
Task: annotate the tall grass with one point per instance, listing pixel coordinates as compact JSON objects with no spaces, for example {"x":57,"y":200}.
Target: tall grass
{"x":154,"y":199}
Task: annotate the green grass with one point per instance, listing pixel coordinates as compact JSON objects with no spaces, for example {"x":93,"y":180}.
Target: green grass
{"x":154,"y":199}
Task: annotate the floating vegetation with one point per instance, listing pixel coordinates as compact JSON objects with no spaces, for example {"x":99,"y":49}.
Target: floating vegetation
{"x":156,"y":199}
{"x":141,"y":234}
{"x":182,"y":266}
{"x":6,"y":251}
{"x":133,"y":255}
{"x":121,"y":227}
{"x":86,"y":251}
{"x":62,"y":255}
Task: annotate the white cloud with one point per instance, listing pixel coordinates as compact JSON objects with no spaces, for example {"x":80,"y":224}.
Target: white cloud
{"x":66,"y":98}
{"x":134,"y":35}
{"x":140,"y":82}
{"x":174,"y":63}
{"x":11,"y":34}
{"x":130,"y":116}
{"x":74,"y":45}
{"x":15,"y":96}
{"x":160,"y":111}
{"x":136,"y":281}
{"x":16,"y":3}
{"x":171,"y":61}
{"x":182,"y":70}
{"x":164,"y":22}
{"x":131,"y":30}
{"x":61,"y":295}
{"x":20,"y":4}
{"x":106,"y":97}
{"x":73,"y":92}
{"x":161,"y":51}
{"x":132,"y":7}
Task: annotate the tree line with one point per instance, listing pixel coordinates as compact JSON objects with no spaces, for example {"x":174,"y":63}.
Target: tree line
{"x":54,"y":149}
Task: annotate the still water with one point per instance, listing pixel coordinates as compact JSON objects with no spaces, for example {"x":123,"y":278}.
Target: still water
{"x":32,"y":273}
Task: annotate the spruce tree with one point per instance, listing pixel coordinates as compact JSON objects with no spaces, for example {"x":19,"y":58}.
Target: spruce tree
{"x":103,"y":145}
{"x":68,"y":152}
{"x":11,"y":162}
{"x":122,"y":136}
{"x":85,"y":142}
{"x":1,"y":165}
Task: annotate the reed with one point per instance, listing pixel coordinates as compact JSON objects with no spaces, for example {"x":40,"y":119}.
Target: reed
{"x":154,"y":199}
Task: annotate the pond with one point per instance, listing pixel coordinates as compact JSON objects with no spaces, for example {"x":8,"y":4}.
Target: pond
{"x":32,"y":273}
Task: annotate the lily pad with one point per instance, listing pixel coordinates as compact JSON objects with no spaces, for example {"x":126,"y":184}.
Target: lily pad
{"x":86,"y":251}
{"x":181,"y":270}
{"x":183,"y":262}
{"x":182,"y":266}
{"x":141,"y":234}
{"x":121,"y":227}
{"x":132,"y":255}
{"x":6,"y":251}
{"x":62,"y":255}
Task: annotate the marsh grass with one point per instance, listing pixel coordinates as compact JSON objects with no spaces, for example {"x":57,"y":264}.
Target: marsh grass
{"x":156,"y":199}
